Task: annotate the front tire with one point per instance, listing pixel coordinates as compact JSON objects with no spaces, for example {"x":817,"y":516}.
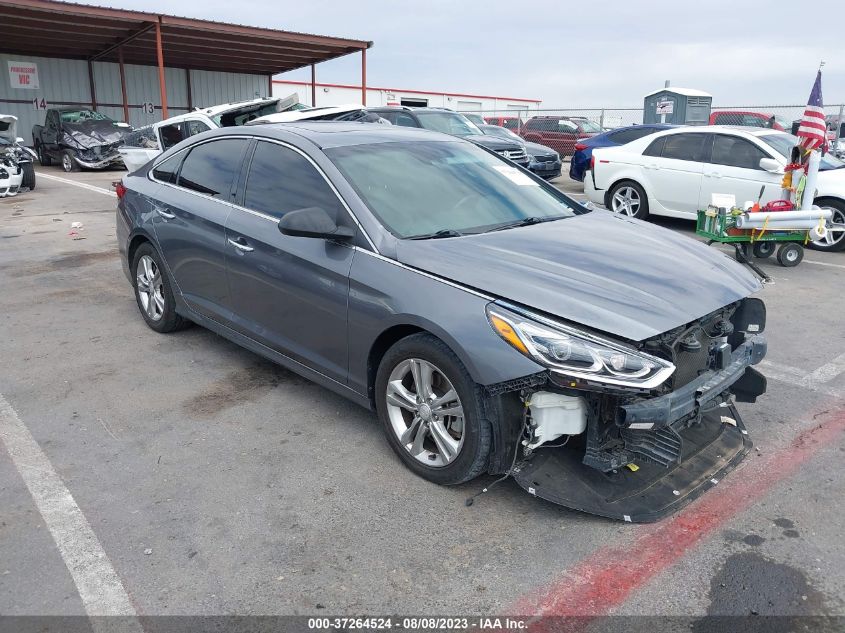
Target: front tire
{"x":628,"y":198}
{"x":834,"y":241}
{"x":43,"y":157}
{"x":154,"y":292}
{"x":69,"y":164}
{"x":28,"y":176}
{"x":432,"y":411}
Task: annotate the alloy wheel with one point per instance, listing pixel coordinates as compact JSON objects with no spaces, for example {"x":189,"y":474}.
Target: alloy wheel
{"x":425,"y":412}
{"x":150,"y":289}
{"x":626,"y":200}
{"x":832,"y":238}
{"x":67,"y":162}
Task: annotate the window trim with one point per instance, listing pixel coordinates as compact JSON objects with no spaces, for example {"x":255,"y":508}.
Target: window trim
{"x":250,"y":150}
{"x":235,"y":177}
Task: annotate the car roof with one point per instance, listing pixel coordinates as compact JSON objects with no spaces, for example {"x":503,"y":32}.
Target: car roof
{"x":743,"y":129}
{"x":225,"y":107}
{"x":328,"y":134}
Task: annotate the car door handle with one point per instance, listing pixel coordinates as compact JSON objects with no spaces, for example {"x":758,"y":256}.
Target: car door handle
{"x":652,"y":166}
{"x":714,"y":174}
{"x":165,"y":214}
{"x":240,"y":245}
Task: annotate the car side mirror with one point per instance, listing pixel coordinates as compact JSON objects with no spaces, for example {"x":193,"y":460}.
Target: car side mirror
{"x":313,"y":222}
{"x":771,"y":165}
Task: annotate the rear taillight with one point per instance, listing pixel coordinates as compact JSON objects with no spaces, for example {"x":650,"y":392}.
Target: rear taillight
{"x":579,"y":147}
{"x":119,"y":189}
{"x":592,"y":162}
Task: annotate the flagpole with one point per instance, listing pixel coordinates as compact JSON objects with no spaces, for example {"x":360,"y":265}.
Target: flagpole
{"x":809,"y":194}
{"x":813,"y":162}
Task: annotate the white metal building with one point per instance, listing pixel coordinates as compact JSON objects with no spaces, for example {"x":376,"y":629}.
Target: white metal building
{"x":140,"y":67}
{"x":337,"y":94}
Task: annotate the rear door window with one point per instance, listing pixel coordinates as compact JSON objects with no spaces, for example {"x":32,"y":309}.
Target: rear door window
{"x":736,"y":152}
{"x":210,"y":167}
{"x":167,"y":170}
{"x":626,"y":136}
{"x":684,"y":147}
{"x":282,"y":180}
{"x":656,"y":147}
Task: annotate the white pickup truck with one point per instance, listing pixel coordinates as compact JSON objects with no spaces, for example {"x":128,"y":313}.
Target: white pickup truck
{"x":145,"y":143}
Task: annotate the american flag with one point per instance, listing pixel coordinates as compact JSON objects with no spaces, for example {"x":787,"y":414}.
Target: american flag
{"x":813,"y":132}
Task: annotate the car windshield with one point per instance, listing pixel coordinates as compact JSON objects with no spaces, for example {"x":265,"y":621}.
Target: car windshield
{"x":424,"y":188}
{"x":495,"y":130}
{"x":446,"y":122}
{"x":78,"y":116}
{"x":783,"y":144}
{"x":587,"y":125}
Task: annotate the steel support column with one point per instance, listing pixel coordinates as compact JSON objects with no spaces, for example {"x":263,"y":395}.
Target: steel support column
{"x":363,"y":76}
{"x":162,"y":86}
{"x":313,"y":85}
{"x":123,"y":84}
{"x":188,"y":86}
{"x":91,"y":85}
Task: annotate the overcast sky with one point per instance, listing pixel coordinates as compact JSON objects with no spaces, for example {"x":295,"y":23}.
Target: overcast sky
{"x":595,"y":54}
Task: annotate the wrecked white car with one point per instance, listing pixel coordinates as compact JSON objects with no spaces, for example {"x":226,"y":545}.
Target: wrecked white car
{"x":147,"y":142}
{"x":14,"y":153}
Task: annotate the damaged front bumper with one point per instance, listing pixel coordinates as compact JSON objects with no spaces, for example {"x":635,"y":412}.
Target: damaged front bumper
{"x":98,"y":163}
{"x":653,"y":455}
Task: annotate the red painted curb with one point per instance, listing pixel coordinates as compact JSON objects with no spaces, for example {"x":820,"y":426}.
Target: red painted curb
{"x":605,"y":579}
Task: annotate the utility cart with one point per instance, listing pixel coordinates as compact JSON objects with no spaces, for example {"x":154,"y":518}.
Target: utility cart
{"x":720,"y":225}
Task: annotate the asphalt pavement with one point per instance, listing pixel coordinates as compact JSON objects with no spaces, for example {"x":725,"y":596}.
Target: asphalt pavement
{"x":213,"y":482}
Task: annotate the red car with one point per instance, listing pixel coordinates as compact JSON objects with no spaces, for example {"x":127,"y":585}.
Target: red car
{"x":559,"y":133}
{"x":748,"y":118}
{"x":508,"y":122}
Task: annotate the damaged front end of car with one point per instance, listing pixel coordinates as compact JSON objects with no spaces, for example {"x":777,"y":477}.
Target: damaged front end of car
{"x":631,"y":431}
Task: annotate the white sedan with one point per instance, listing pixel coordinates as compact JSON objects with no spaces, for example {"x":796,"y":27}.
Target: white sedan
{"x":675,"y":173}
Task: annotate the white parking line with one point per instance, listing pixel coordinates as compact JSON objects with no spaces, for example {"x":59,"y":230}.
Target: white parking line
{"x":828,"y":371}
{"x":98,"y":584}
{"x":83,"y":185}
{"x":814,"y":381}
{"x":810,"y":261}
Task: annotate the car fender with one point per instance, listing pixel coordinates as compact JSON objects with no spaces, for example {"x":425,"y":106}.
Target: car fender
{"x":384,"y":293}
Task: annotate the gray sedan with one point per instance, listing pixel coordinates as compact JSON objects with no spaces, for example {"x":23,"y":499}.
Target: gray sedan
{"x":493,"y":324}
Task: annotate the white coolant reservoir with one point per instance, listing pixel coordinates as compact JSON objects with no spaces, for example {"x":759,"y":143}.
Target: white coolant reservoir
{"x":554,"y":415}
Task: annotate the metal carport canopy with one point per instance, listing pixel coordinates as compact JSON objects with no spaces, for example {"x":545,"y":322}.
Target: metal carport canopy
{"x":93,"y":33}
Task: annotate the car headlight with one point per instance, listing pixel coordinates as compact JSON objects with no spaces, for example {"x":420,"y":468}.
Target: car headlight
{"x":576,"y":354}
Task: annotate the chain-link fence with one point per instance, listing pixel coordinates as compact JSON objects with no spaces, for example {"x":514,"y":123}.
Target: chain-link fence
{"x":587,"y":121}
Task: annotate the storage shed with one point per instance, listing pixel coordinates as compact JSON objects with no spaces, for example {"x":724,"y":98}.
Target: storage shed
{"x":141,"y":67}
{"x":681,"y":106}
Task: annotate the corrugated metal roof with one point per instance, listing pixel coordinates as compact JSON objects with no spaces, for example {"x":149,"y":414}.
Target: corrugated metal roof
{"x":76,"y":31}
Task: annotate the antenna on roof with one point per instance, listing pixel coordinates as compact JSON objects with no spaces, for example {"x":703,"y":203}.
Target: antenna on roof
{"x":666,"y":85}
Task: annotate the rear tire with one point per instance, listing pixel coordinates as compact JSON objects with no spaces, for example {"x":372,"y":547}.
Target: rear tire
{"x":154,"y":292}
{"x":69,"y":164}
{"x":835,"y":241}
{"x":762,"y":250}
{"x":427,"y":415}
{"x":790,"y":254}
{"x":628,"y":198}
